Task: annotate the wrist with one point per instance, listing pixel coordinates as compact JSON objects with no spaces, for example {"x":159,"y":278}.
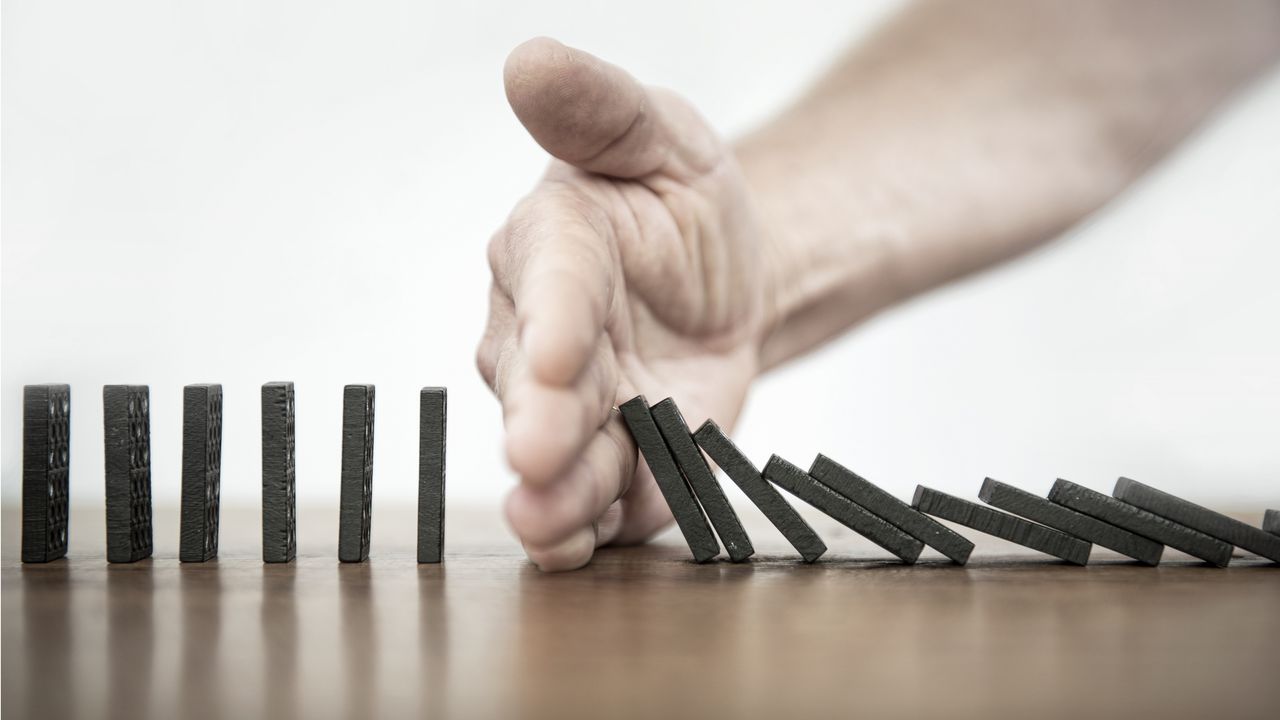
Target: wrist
{"x":820,"y":274}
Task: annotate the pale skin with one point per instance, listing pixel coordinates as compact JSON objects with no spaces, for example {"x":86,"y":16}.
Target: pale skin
{"x":656,"y":258}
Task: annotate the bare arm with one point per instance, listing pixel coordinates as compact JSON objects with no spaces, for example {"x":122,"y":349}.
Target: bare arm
{"x":962,"y":134}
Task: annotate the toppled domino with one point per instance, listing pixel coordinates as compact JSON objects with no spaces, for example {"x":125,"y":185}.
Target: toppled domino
{"x":901,"y":515}
{"x":679,"y":496}
{"x":431,"y":466}
{"x":1034,"y":507}
{"x":279,"y":497}
{"x":689,"y":459}
{"x":1141,"y":522}
{"x":799,"y":483}
{"x":201,"y":472}
{"x":745,"y":475}
{"x":1196,"y":517}
{"x":356,"y":502}
{"x":46,"y":458}
{"x":1001,"y":525}
{"x":127,"y":446}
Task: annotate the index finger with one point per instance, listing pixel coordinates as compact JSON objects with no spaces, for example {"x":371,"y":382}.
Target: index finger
{"x":559,"y":264}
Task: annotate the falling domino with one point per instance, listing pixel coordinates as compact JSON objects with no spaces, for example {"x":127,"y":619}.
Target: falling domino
{"x":799,"y":483}
{"x":1001,"y":525}
{"x":1141,"y":522}
{"x":1196,"y":517}
{"x":46,"y":458}
{"x":710,"y":495}
{"x":913,"y":522}
{"x":745,"y":475}
{"x":432,"y":411}
{"x":127,"y":446}
{"x":279,"y":499}
{"x":201,"y":472}
{"x":1038,"y":509}
{"x":356,"y":503}
{"x":679,"y":496}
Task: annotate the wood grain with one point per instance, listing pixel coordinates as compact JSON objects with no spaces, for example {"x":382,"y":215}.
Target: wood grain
{"x":642,"y":632}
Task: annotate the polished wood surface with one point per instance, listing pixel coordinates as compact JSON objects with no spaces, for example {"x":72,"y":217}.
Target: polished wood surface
{"x":642,"y":632}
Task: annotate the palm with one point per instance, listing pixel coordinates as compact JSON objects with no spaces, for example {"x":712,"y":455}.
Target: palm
{"x":689,"y":323}
{"x":633,"y":268}
{"x":692,"y":333}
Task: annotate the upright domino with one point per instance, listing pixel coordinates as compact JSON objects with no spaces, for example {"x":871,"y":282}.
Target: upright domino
{"x":201,"y":472}
{"x":744,"y":474}
{"x":1196,"y":517}
{"x":901,"y":515}
{"x":356,"y":503}
{"x":842,"y":509}
{"x":279,"y":503}
{"x":679,"y":496}
{"x":127,"y":445}
{"x":432,"y":412}
{"x":675,"y":431}
{"x":1001,"y":525}
{"x":1139,"y":521}
{"x":46,"y":458}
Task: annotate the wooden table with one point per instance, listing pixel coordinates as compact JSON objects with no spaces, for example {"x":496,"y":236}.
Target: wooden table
{"x":642,"y":632}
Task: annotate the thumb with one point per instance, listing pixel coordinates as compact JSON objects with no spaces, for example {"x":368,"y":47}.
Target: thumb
{"x":595,"y":116}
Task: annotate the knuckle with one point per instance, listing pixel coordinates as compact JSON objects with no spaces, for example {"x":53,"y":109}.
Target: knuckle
{"x":624,"y":454}
{"x":497,"y":251}
{"x":557,"y":200}
{"x":487,"y":364}
{"x":504,"y":363}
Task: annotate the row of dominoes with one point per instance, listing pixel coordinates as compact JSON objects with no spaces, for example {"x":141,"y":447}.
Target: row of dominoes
{"x":1137,"y":521}
{"x":127,"y":440}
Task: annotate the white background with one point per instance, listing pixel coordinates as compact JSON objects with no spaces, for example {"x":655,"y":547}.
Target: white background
{"x":239,"y":192}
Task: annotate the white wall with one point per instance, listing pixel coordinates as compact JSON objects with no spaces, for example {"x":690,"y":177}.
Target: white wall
{"x":230,"y":192}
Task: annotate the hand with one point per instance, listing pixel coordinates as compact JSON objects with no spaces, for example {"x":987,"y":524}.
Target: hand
{"x":635,"y":266}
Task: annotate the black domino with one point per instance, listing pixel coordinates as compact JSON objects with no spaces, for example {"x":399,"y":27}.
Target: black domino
{"x":1141,"y":522}
{"x":356,"y":502}
{"x":1271,"y":522}
{"x":46,"y":461}
{"x":913,"y":522}
{"x":679,"y":496}
{"x":745,"y":475}
{"x":799,"y":483}
{"x":1197,"y":517}
{"x":1001,"y":525}
{"x":127,"y":445}
{"x":279,"y":498}
{"x":201,"y":472}
{"x":675,"y":431}
{"x":432,"y":411}
{"x":1058,"y":517}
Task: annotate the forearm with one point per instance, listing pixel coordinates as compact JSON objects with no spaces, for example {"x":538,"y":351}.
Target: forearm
{"x":962,"y":134}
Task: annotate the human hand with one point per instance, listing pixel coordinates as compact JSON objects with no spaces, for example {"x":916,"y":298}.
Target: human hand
{"x":635,"y":266}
